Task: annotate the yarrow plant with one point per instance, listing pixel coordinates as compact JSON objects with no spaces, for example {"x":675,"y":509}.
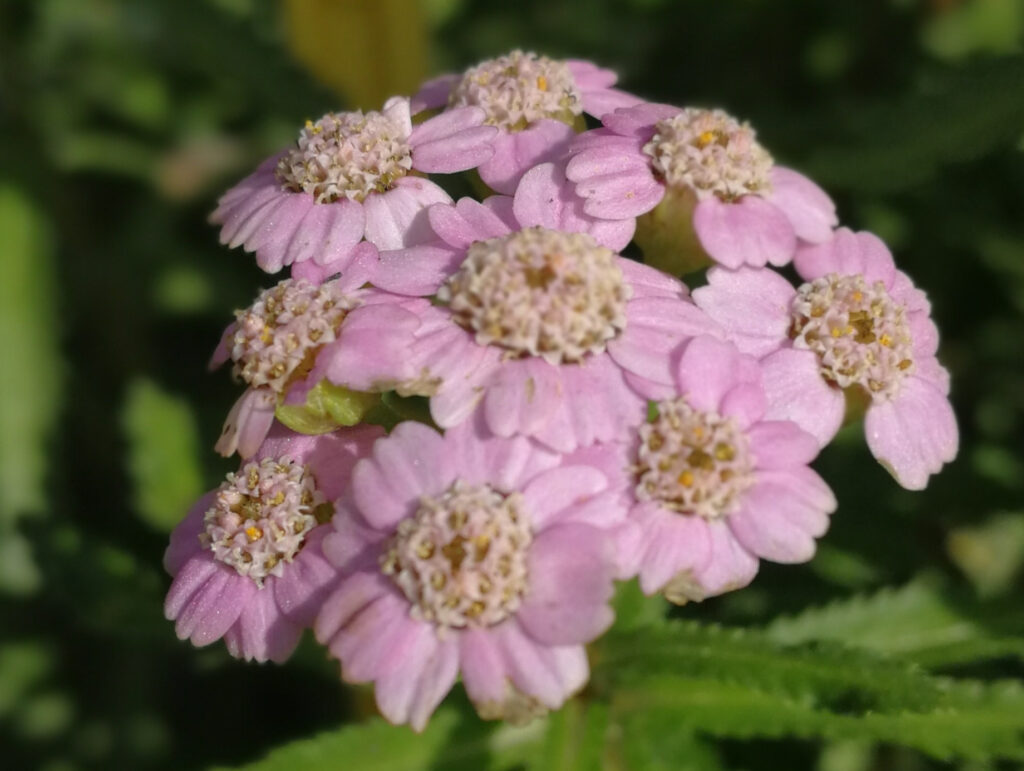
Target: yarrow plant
{"x":464,"y":421}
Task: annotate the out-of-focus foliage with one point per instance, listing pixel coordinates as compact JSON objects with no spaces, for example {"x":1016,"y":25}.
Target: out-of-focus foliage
{"x":899,"y":648}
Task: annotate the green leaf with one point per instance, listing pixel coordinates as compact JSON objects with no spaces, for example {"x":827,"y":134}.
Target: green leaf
{"x":732,"y":683}
{"x":991,"y":727}
{"x":29,"y":377}
{"x":163,"y":454}
{"x":327,"y":407}
{"x":449,"y":742}
{"x":825,"y":673}
{"x":914,"y":621}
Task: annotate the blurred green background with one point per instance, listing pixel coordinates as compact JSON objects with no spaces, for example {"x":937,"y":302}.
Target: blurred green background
{"x":120,"y":124}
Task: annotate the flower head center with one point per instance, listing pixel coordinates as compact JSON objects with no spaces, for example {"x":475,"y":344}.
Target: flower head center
{"x":461,"y":559}
{"x":519,"y":89}
{"x":711,"y":153}
{"x":693,"y":462}
{"x":860,"y":334}
{"x":277,"y":338}
{"x":346,"y":155}
{"x":260,"y":517}
{"x":540,"y":292}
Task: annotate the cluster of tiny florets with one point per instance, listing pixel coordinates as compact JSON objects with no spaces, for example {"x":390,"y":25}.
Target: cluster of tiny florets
{"x":260,"y":517}
{"x":693,"y":462}
{"x":346,"y":155}
{"x":276,"y":338}
{"x":540,"y":292}
{"x":710,"y":152}
{"x":519,"y":89}
{"x":860,"y":334}
{"x":461,"y":559}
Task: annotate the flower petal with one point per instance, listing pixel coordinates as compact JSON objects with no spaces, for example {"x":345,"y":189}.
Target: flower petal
{"x":807,"y":206}
{"x":749,"y":231}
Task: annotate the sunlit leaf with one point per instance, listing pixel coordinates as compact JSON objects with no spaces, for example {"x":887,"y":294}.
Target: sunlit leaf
{"x":367,"y":50}
{"x":163,"y":454}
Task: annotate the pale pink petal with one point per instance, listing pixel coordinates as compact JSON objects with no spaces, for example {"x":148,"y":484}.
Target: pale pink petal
{"x":605,"y":140}
{"x":305,"y":584}
{"x":453,"y":141}
{"x":490,"y":219}
{"x":365,"y":646}
{"x":353,"y":545}
{"x":397,"y":218}
{"x":655,"y":328}
{"x":602,"y":101}
{"x":651,"y":282}
{"x":262,"y":632}
{"x":903,"y":291}
{"x":780,"y":444}
{"x":750,"y":231}
{"x":184,"y":542}
{"x":345,"y":222}
{"x":372,"y":352}
{"x":411,"y":462}
{"x":483,"y":668}
{"x":536,"y":669}
{"x":796,"y":391}
{"x":777,"y":525}
{"x":914,"y":434}
{"x":396,"y":109}
{"x":521,"y":396}
{"x":417,"y":271}
{"x":929,"y":369}
{"x":729,"y":566}
{"x":248,"y":423}
{"x":807,"y":206}
{"x":451,"y":226}
{"x":708,"y":369}
{"x":505,"y":463}
{"x":924,"y":335}
{"x":410,"y":690}
{"x":847,"y":254}
{"x":621,"y":195}
{"x":434,"y":93}
{"x":588,"y":75}
{"x":638,"y":121}
{"x":514,"y":154}
{"x":571,"y":568}
{"x":549,"y":494}
{"x":546,"y":198}
{"x":205,"y":599}
{"x":751,"y":304}
{"x":671,"y":543}
{"x":350,"y":270}
{"x":602,"y":407}
{"x":745,"y":404}
{"x":354,"y":593}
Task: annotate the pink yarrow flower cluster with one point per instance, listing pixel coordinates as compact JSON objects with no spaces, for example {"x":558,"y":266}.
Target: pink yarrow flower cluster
{"x":462,"y":422}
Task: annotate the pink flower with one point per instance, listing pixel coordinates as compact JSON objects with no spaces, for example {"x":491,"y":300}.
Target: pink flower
{"x":859,"y":324}
{"x":534,"y":101}
{"x":349,"y":178}
{"x":246,"y":561}
{"x":485,"y":557}
{"x":278,"y":342}
{"x":553,"y":334}
{"x":747,"y":210}
{"x":715,"y":485}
